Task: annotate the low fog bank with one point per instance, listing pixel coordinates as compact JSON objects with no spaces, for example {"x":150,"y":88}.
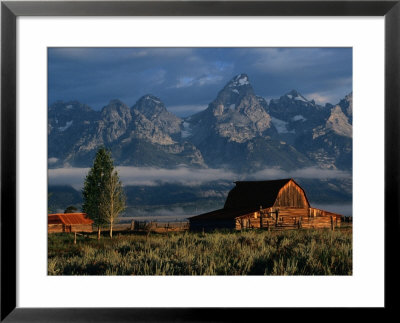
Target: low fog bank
{"x":183,"y":192}
{"x":152,"y":176}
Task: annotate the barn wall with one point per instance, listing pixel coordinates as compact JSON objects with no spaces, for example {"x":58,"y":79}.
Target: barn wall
{"x":291,"y":195}
{"x":54,"y":228}
{"x":320,"y":222}
{"x":318,"y":212}
{"x":289,"y":218}
{"x":81,"y":228}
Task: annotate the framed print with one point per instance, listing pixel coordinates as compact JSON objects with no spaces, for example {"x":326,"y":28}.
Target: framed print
{"x":127,"y":122}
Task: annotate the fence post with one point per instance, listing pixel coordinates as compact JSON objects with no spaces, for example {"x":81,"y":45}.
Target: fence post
{"x":332,"y":224}
{"x":75,"y":237}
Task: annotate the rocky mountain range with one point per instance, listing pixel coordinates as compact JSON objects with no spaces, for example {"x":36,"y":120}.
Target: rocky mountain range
{"x":239,"y":130}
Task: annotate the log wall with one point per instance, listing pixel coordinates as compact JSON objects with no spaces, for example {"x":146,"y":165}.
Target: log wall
{"x":288,"y":218}
{"x":54,"y":228}
{"x":80,"y":228}
{"x":291,"y":195}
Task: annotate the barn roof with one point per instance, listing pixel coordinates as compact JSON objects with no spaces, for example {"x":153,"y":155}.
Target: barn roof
{"x":68,"y":218}
{"x":250,"y":194}
{"x":247,"y":197}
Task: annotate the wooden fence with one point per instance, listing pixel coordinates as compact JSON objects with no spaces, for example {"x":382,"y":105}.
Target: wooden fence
{"x":147,"y":226}
{"x":289,"y":218}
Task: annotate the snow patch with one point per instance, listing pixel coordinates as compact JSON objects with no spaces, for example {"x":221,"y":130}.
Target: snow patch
{"x":243,"y":81}
{"x":52,"y":160}
{"x":236,"y":91}
{"x":281,"y":126}
{"x":67,"y":125}
{"x":296,"y":96}
{"x":152,"y":99}
{"x":68,"y":107}
{"x":232,"y":106}
{"x":186,"y":132}
{"x":298,"y":118}
{"x":300,"y":98}
{"x":239,"y":81}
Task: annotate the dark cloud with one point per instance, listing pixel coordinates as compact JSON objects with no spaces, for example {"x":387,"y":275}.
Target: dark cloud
{"x":193,"y":76}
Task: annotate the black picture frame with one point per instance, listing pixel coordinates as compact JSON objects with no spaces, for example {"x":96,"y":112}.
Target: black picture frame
{"x":10,"y":10}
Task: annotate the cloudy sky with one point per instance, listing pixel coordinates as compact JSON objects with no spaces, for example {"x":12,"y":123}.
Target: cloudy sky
{"x":187,"y":79}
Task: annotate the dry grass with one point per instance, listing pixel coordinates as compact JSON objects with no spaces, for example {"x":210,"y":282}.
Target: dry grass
{"x":296,"y":252}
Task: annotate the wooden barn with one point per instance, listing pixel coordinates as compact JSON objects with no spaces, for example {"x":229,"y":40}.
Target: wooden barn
{"x":69,"y":222}
{"x":275,"y":204}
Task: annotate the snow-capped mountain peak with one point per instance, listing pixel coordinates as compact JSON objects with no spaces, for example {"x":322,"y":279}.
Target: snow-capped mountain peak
{"x":149,"y":102}
{"x":235,"y":90}
{"x":239,"y":129}
{"x":294,"y":95}
{"x":239,"y":80}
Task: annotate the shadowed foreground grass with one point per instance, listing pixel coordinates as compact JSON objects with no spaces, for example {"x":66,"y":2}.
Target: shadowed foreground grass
{"x":297,"y":252}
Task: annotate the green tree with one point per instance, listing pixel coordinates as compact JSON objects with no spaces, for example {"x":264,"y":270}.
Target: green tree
{"x":112,"y":201}
{"x":94,"y":186}
{"x":49,"y":208}
{"x":71,"y":209}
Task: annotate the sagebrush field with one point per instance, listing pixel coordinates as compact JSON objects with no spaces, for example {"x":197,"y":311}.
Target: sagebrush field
{"x":296,"y":252}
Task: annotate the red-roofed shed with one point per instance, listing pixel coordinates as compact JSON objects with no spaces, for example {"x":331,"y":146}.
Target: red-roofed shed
{"x":69,"y":222}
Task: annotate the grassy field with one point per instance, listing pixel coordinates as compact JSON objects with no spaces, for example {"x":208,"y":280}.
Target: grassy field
{"x":296,"y":252}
